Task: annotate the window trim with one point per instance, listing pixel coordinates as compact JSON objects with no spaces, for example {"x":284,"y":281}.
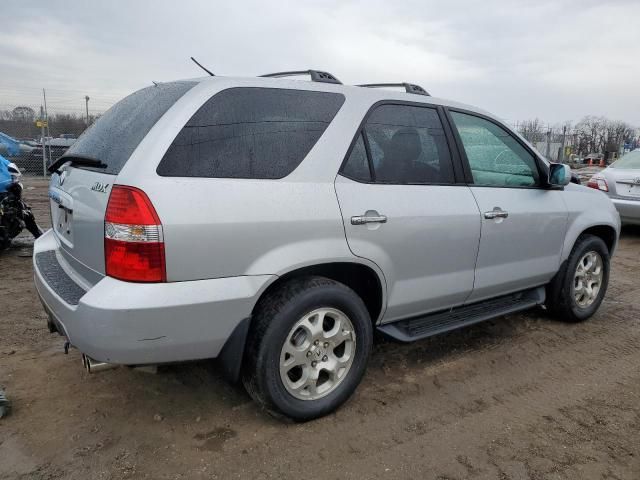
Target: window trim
{"x":540,"y":165}
{"x":456,"y":161}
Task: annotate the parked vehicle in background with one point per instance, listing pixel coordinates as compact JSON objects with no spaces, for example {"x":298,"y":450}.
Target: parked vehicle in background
{"x":55,"y":148}
{"x":15,"y":214}
{"x":12,"y":148}
{"x":621,"y":182}
{"x":274,"y":224}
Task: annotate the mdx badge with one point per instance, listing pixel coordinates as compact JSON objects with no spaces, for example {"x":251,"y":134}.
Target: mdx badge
{"x":100,"y":187}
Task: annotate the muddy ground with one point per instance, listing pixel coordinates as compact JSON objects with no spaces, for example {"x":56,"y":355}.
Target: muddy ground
{"x":521,"y":397}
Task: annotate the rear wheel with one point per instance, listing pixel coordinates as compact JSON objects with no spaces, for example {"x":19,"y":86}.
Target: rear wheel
{"x":308,"y":348}
{"x":578,"y":290}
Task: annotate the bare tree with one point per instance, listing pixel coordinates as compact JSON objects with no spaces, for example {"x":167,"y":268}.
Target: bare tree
{"x":23,"y":114}
{"x":532,"y":130}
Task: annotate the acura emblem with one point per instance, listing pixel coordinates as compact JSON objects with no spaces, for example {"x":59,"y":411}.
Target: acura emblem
{"x":61,"y":177}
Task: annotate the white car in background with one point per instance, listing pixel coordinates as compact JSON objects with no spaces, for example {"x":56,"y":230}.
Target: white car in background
{"x":621,"y":182}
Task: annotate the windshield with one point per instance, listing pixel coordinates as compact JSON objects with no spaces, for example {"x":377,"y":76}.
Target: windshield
{"x":117,"y":133}
{"x":631,"y":160}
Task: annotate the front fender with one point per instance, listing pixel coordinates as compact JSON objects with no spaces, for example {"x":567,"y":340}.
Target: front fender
{"x":588,"y":208}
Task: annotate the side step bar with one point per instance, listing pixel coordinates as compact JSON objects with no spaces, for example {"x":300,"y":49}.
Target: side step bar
{"x":432,"y":324}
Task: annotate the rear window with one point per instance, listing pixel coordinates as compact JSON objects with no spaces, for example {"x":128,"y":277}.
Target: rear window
{"x":247,"y":132}
{"x":117,"y":133}
{"x":630,"y":160}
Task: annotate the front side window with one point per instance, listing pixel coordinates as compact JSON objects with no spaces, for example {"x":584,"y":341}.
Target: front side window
{"x":495,"y":157}
{"x":261,"y":133}
{"x":408,"y":145}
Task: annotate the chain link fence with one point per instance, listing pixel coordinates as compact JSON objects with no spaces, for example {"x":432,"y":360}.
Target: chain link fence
{"x":38,"y":126}
{"x":593,"y":140}
{"x":32,"y":142}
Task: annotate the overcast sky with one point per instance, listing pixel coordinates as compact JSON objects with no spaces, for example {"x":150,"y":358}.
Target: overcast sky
{"x":552,"y":59}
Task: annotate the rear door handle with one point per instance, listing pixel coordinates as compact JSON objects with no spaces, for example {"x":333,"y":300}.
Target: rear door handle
{"x":363,"y":219}
{"x":497,"y":212}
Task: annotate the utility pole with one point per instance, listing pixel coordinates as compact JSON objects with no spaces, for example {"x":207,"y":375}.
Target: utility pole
{"x":46,"y":119}
{"x":86,"y":104}
{"x":564,"y":133}
{"x":44,"y":147}
{"x":548,"y":143}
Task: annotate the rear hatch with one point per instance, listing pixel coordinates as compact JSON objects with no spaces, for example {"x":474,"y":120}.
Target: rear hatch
{"x":79,"y":193}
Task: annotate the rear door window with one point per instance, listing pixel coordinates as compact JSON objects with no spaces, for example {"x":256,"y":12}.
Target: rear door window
{"x":117,"y":133}
{"x":261,"y":133}
{"x":407,"y":145}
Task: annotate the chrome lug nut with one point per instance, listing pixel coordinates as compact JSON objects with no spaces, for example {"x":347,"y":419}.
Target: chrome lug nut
{"x":325,"y":358}
{"x":314,"y":363}
{"x":308,"y":354}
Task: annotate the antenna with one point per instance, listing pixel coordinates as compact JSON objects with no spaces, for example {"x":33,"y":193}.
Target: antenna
{"x":198,"y":63}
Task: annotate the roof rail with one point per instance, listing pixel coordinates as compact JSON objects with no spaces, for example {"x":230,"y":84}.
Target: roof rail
{"x":409,"y":87}
{"x":316,"y":75}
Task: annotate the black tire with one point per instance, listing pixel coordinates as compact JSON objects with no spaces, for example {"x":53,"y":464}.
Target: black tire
{"x":560,"y":301}
{"x":275,"y":316}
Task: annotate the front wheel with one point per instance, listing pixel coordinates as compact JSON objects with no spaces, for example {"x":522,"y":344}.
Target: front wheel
{"x":578,"y":290}
{"x":308,"y":348}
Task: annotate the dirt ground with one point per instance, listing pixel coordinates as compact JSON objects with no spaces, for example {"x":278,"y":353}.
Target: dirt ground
{"x":521,"y":397}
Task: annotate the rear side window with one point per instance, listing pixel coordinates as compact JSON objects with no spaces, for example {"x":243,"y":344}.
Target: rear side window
{"x":407,"y":145}
{"x":261,"y":133}
{"x":117,"y":133}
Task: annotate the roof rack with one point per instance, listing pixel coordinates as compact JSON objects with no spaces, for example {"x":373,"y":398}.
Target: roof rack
{"x":316,"y":75}
{"x":409,"y":87}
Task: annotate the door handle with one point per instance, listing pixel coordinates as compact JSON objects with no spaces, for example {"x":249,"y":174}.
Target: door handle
{"x":497,"y":212}
{"x":363,"y":219}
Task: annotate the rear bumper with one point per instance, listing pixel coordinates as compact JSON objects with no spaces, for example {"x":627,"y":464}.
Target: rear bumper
{"x":136,"y":323}
{"x":629,"y":210}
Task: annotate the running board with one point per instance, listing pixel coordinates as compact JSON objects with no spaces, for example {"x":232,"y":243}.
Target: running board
{"x":432,"y":324}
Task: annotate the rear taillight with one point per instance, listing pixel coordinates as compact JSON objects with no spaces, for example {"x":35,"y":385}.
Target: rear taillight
{"x":599,"y":183}
{"x":133,"y":240}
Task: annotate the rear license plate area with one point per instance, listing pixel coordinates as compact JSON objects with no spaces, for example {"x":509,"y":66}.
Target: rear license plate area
{"x":62,"y":219}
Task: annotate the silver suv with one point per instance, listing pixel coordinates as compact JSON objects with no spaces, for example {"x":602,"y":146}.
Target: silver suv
{"x":275,"y":223}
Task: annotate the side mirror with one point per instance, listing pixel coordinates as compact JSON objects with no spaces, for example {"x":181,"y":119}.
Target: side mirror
{"x":559,"y":175}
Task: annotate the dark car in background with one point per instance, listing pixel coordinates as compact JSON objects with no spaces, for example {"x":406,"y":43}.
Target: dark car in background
{"x":55,"y":148}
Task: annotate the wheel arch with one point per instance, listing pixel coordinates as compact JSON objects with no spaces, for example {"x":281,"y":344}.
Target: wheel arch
{"x":605,"y":232}
{"x":365,"y":280}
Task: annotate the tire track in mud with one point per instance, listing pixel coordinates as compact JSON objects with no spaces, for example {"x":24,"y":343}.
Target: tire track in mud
{"x":520,"y":382}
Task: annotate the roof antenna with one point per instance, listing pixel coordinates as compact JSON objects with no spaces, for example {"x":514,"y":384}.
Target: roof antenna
{"x":197,"y":63}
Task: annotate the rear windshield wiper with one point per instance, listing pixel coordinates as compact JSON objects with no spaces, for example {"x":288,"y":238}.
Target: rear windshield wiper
{"x":82,"y":160}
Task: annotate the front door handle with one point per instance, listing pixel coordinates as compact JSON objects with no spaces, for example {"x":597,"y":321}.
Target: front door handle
{"x":497,"y":212}
{"x":368,"y":218}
